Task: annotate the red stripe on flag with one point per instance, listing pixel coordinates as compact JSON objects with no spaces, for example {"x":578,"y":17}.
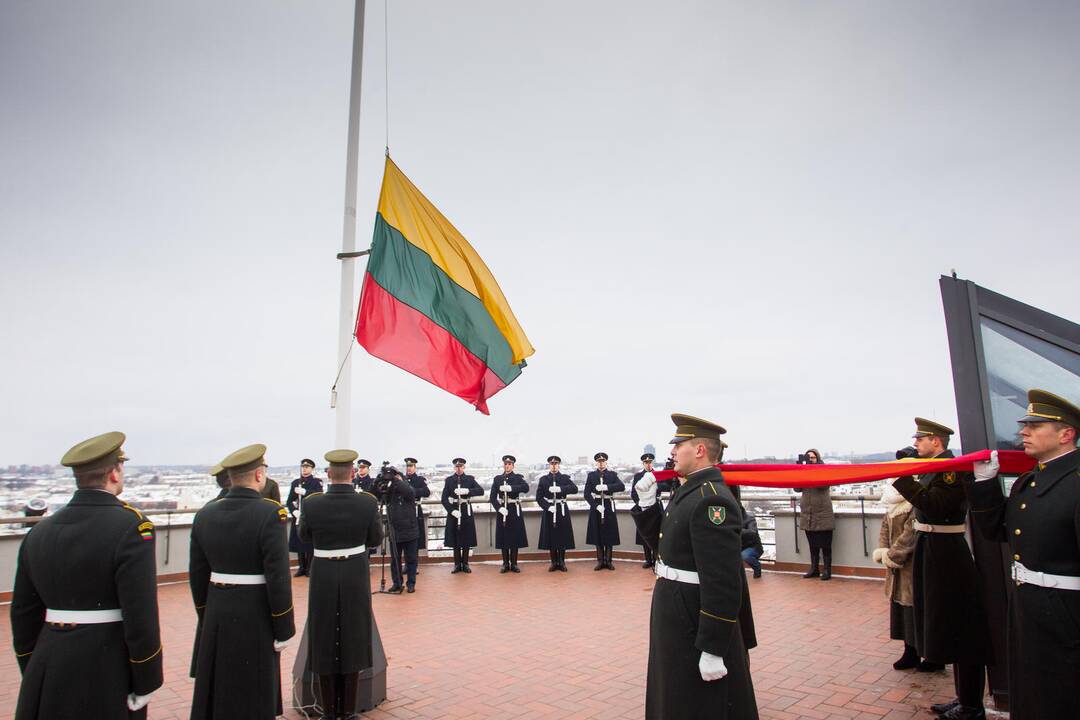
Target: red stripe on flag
{"x":402,"y":336}
{"x":1013,"y":462}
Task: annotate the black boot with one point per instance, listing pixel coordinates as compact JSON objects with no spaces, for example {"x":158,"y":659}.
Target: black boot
{"x":562,"y":561}
{"x":908,"y":660}
{"x":942,"y":708}
{"x":457,"y":561}
{"x":350,"y":708}
{"x":813,"y":564}
{"x":601,"y":562}
{"x":506,"y":560}
{"x":465,"y":560}
{"x":328,"y":701}
{"x":927,"y":666}
{"x":554,"y":560}
{"x":513,"y":560}
{"x":607,"y":557}
{"x":649,"y":562}
{"x":827,"y":558}
{"x":301,"y":565}
{"x":964,"y":712}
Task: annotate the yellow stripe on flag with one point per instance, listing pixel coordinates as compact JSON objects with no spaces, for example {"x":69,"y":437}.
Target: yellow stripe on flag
{"x":406,"y":209}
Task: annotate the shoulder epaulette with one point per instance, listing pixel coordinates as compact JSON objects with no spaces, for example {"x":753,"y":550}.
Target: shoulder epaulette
{"x":365,"y":492}
{"x":134,"y":510}
{"x":320,"y":492}
{"x":272,"y":500}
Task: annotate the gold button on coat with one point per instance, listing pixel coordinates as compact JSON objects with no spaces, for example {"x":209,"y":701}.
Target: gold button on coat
{"x":1016,"y":531}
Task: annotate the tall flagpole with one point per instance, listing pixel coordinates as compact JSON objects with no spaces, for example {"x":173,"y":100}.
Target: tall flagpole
{"x":341,"y":398}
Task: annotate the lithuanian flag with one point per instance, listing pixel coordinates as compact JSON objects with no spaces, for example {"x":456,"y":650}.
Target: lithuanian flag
{"x":430,"y":305}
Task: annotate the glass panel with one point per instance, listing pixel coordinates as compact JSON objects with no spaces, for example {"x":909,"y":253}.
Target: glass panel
{"x":1016,"y":362}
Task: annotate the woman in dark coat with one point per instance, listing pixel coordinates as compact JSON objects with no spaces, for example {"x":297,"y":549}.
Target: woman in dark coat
{"x":818,"y":522}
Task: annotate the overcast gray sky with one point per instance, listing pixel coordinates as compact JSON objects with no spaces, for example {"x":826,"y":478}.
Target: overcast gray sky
{"x":737,"y":210}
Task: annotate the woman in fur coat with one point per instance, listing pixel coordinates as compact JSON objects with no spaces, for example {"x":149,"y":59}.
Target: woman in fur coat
{"x":896,"y":544}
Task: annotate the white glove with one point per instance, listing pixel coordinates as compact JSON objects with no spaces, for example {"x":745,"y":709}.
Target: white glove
{"x":878,"y":554}
{"x":711,"y":667}
{"x":555,"y":489}
{"x":646,"y":490}
{"x":987,"y":469}
{"x":503,"y":511}
{"x":461,"y":491}
{"x":296,"y":514}
{"x":505,"y":488}
{"x":301,"y":490}
{"x":601,"y":488}
{"x":137,"y":702}
{"x":280,"y":645}
{"x":551,"y":509}
{"x":456,"y":514}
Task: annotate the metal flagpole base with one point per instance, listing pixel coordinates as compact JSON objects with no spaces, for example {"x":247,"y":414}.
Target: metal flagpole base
{"x":370,"y":690}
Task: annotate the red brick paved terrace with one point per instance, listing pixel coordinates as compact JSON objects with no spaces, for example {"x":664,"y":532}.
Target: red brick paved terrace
{"x":574,"y":645}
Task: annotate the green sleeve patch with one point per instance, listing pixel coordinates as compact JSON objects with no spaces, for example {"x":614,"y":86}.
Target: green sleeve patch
{"x":717,"y":514}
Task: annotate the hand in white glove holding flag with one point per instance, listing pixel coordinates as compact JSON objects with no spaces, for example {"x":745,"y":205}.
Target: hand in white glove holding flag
{"x":503,"y":511}
{"x":988,"y":469}
{"x":456,"y":514}
{"x":646,"y":490}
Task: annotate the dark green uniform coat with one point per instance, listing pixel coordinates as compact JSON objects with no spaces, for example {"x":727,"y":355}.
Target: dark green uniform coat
{"x":1044,"y":623}
{"x":237,"y":673}
{"x":339,"y":595}
{"x":950,"y":623}
{"x":199,"y":611}
{"x":95,"y":554}
{"x":700,"y":531}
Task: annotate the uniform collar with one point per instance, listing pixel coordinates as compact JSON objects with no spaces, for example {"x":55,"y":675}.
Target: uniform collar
{"x":698,"y":478}
{"x":1053,"y":471}
{"x":93,"y":496}
{"x":339,"y":488}
{"x":243,"y":492}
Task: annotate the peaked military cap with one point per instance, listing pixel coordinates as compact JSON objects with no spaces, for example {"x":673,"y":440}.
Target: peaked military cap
{"x":554,"y":459}
{"x":217,"y":470}
{"x":925,"y":428}
{"x":341,"y":458}
{"x":309,"y":462}
{"x":1045,"y":406}
{"x":245,"y":459}
{"x":37,"y":504}
{"x":363,"y":463}
{"x":688,"y":426}
{"x":509,"y":459}
{"x":600,"y":456}
{"x":410,"y":461}
{"x":459,"y":461}
{"x":648,"y":456}
{"x":98,"y":452}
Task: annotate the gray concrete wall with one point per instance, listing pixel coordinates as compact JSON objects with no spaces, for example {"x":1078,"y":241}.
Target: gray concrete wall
{"x":847,"y":538}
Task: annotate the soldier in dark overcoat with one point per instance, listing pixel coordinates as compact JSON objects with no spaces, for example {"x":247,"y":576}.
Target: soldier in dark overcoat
{"x":362,"y":481}
{"x":301,"y":487}
{"x":603,"y":528}
{"x":460,"y":531}
{"x":698,"y":662}
{"x":221,"y":477}
{"x":239,"y":574}
{"x":420,"y":491}
{"x":662,"y":487}
{"x":950,"y":621}
{"x":556,"y":526}
{"x":400,"y":499}
{"x":1040,"y":520}
{"x":84,"y":614}
{"x":341,"y":524}
{"x":506,"y":492}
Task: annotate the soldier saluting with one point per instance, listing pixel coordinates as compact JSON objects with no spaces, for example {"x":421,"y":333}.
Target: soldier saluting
{"x":698,"y":663}
{"x":556,"y":527}
{"x":460,"y":524}
{"x":341,"y":524}
{"x":239,"y":575}
{"x":84,"y":615}
{"x":603,"y":530}
{"x":505,"y":498}
{"x":1040,"y":520}
{"x":950,"y":623}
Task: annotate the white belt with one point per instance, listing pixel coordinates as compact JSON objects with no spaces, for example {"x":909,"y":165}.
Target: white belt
{"x":514,"y":501}
{"x":342,"y":553}
{"x":83,"y":617}
{"x":670,"y":573}
{"x":947,"y":529}
{"x":1033,"y":577}
{"x":231,"y":579}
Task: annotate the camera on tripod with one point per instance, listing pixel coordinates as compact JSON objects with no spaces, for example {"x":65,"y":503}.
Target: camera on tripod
{"x":670,"y":464}
{"x":383,"y":482}
{"x":906,"y":452}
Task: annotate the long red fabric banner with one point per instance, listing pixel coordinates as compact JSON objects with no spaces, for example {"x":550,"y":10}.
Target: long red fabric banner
{"x":1013,"y":462}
